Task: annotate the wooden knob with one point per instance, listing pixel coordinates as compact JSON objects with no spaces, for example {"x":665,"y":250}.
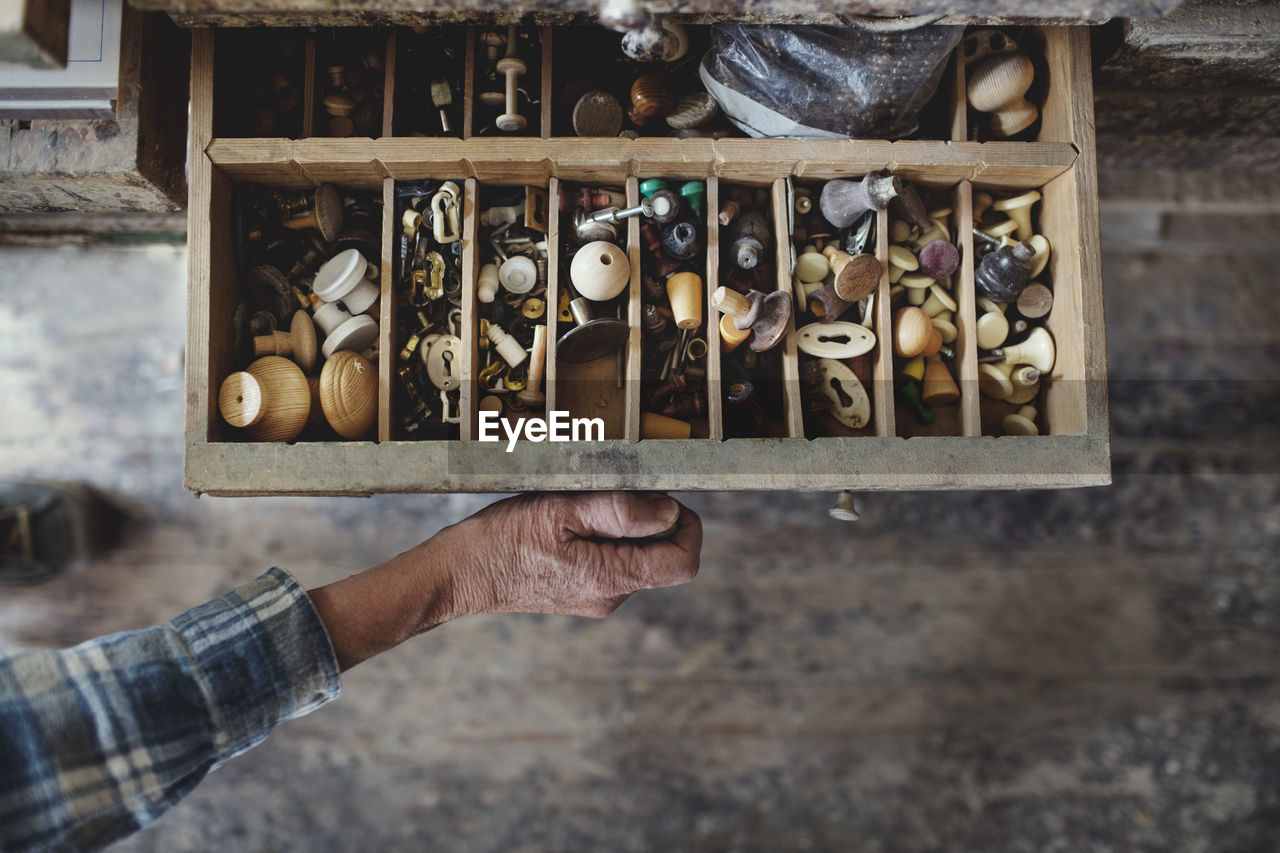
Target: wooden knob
{"x":857,"y":276}
{"x":269,"y":399}
{"x":532,"y":394}
{"x":1022,"y":422}
{"x":651,"y":96}
{"x":938,"y":388}
{"x":1018,"y":209}
{"x":1035,"y":302}
{"x":912,"y":330}
{"x":349,"y":394}
{"x":730,"y":335}
{"x":998,"y":85}
{"x":325,"y":215}
{"x":299,"y":342}
{"x":693,"y":110}
{"x":653,"y":425}
{"x":684,"y":289}
{"x":600,"y":271}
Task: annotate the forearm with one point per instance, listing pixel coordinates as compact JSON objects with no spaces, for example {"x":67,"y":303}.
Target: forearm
{"x":98,"y":740}
{"x":373,"y":611}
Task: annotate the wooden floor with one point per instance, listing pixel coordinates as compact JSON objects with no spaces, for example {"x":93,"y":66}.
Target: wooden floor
{"x":1003,"y":671}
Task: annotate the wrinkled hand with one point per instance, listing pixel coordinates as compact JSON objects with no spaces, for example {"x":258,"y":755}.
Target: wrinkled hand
{"x":576,"y":554}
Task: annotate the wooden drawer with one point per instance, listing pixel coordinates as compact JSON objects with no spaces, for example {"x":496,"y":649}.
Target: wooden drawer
{"x":892,"y":453}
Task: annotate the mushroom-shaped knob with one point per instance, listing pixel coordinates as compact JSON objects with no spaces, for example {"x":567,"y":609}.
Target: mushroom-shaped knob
{"x":1037,"y":350}
{"x":599,"y":271}
{"x":1022,"y":422}
{"x":998,"y":85}
{"x":1035,"y":302}
{"x":856,"y":276}
{"x":731,"y":337}
{"x":299,"y":342}
{"x":518,"y":274}
{"x":680,"y":241}
{"x":270,"y":399}
{"x":812,"y":266}
{"x":1018,"y":209}
{"x":349,"y":394}
{"x":325,"y":215}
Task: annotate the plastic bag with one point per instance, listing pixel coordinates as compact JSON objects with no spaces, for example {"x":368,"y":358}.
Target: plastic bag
{"x":826,"y":81}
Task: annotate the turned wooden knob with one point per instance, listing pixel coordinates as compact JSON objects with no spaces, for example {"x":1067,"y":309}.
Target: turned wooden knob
{"x":684,"y":289}
{"x":731,"y":337}
{"x":269,"y":399}
{"x":998,"y":85}
{"x":325,"y":215}
{"x":653,"y":425}
{"x":857,"y":276}
{"x":299,"y":342}
{"x":938,"y":388}
{"x":912,"y":330}
{"x":511,"y":66}
{"x":1018,"y":209}
{"x":349,"y":394}
{"x":1022,"y":422}
{"x":651,"y":96}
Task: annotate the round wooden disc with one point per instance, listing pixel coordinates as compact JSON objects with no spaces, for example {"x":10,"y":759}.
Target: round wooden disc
{"x":240,"y":399}
{"x":349,"y":394}
{"x":597,"y":114}
{"x":1035,"y":301}
{"x":858,"y":278}
{"x":303,"y":331}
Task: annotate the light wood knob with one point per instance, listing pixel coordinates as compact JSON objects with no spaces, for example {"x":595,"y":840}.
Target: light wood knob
{"x":730,"y":335}
{"x":912,"y":330}
{"x":349,"y":394}
{"x":1022,"y":422}
{"x":653,"y":425}
{"x":684,"y":289}
{"x":1018,"y":209}
{"x":998,"y":85}
{"x":299,"y":342}
{"x":532,"y":394}
{"x":269,"y":399}
{"x":938,"y":388}
{"x":599,"y":271}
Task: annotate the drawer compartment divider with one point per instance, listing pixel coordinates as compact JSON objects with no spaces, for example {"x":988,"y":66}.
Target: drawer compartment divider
{"x":965,"y":295}
{"x":387,"y":311}
{"x":632,"y":366}
{"x":882,"y":371}
{"x":792,"y":400}
{"x":711,"y":315}
{"x":468,"y":394}
{"x":549,"y":385}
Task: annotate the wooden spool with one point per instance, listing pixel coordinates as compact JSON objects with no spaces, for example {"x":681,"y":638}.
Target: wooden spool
{"x":269,"y":399}
{"x":998,"y":85}
{"x":349,"y":394}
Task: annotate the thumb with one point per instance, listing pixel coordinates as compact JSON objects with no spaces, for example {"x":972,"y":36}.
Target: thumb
{"x":623,"y":515}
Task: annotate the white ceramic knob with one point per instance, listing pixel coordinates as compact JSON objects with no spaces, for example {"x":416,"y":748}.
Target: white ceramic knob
{"x":329,"y":316}
{"x":506,"y":345}
{"x":355,"y":334}
{"x":600,"y":271}
{"x":347,"y":276}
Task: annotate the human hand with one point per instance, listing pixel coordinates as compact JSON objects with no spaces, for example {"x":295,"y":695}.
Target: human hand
{"x":579,"y":554}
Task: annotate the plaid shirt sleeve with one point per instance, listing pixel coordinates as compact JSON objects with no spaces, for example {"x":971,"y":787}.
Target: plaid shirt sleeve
{"x":97,"y":741}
